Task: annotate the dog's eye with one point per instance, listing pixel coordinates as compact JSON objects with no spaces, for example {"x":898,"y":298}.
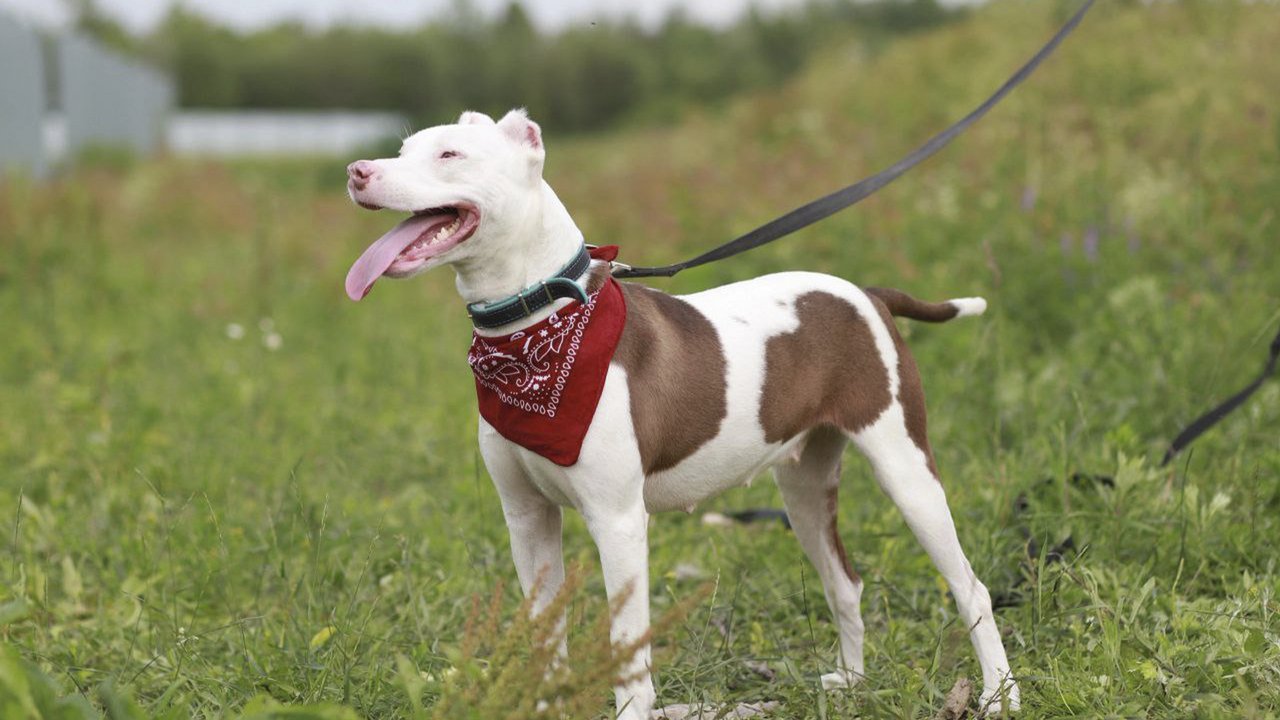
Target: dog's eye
{"x":447,"y":154}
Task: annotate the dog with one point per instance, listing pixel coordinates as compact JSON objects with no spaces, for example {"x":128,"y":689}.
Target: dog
{"x":701,"y":393}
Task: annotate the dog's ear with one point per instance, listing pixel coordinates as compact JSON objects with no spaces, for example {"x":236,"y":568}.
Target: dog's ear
{"x":471,"y":117}
{"x":517,"y":125}
{"x":524,"y":132}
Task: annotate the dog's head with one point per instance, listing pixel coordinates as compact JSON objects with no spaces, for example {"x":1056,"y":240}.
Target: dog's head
{"x":468,"y":188}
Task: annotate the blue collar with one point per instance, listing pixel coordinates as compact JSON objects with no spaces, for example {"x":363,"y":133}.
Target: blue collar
{"x":564,"y":284}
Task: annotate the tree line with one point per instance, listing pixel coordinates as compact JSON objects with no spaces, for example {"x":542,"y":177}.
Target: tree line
{"x":580,"y":78}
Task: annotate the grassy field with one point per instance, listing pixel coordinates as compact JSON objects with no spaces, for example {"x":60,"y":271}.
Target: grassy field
{"x":223,"y":485}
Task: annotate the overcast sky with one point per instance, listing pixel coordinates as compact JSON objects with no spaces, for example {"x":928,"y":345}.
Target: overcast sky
{"x":143,"y":14}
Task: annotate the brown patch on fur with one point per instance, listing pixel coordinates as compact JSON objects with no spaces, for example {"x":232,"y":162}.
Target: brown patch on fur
{"x":833,"y":494}
{"x":675,"y":374}
{"x":827,"y":372}
{"x":910,"y":390}
{"x":901,"y":304}
{"x":597,"y":273}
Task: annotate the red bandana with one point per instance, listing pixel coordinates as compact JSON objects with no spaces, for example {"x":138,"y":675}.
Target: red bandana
{"x":539,"y":387}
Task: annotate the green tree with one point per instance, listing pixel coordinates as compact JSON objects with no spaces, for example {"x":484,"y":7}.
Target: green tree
{"x":581,"y":78}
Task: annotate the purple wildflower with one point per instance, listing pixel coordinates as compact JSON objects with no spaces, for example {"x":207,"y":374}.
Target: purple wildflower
{"x":1091,"y":244}
{"x":1029,"y":195}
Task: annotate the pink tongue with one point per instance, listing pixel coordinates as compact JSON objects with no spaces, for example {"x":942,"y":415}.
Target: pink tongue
{"x":384,"y":251}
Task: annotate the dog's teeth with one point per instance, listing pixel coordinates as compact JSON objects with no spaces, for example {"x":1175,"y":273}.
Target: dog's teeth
{"x":444,"y":232}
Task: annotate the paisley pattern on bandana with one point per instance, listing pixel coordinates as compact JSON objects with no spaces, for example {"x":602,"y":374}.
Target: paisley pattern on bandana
{"x":532,"y":375}
{"x":539,"y":387}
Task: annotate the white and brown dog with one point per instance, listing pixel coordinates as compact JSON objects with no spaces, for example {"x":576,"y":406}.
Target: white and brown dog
{"x":703,"y":392}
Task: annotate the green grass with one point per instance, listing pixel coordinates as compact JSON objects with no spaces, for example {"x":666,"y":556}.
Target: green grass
{"x":200,"y":520}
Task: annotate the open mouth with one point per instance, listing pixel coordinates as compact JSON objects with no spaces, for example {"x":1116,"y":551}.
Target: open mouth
{"x":409,"y":246}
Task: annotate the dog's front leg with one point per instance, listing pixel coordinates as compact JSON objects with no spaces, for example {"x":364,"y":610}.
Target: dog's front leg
{"x":536,"y":550}
{"x":621,"y":536}
{"x":533,"y":522}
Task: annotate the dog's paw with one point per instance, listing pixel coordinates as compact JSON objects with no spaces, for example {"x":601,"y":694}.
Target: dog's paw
{"x":994,"y":701}
{"x":840,"y":679}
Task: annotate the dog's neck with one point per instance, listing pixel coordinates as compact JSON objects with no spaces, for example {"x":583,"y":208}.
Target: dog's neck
{"x":540,"y":243}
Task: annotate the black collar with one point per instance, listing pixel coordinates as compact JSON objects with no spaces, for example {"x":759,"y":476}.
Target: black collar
{"x":564,"y":284}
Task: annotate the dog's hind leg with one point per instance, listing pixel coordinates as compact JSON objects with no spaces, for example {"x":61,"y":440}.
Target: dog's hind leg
{"x":810,"y":485}
{"x":898,"y":448}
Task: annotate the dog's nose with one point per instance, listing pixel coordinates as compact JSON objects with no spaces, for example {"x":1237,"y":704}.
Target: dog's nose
{"x":360,"y":172}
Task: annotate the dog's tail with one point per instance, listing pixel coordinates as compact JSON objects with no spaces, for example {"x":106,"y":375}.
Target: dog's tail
{"x":901,"y":304}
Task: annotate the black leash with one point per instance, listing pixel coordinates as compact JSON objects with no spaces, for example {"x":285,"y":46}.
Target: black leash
{"x":1211,"y":418}
{"x":824,"y":207}
{"x":1014,"y":595}
{"x":806,"y":215}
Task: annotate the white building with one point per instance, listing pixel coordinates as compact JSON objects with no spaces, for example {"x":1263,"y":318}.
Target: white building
{"x":269,"y":132}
